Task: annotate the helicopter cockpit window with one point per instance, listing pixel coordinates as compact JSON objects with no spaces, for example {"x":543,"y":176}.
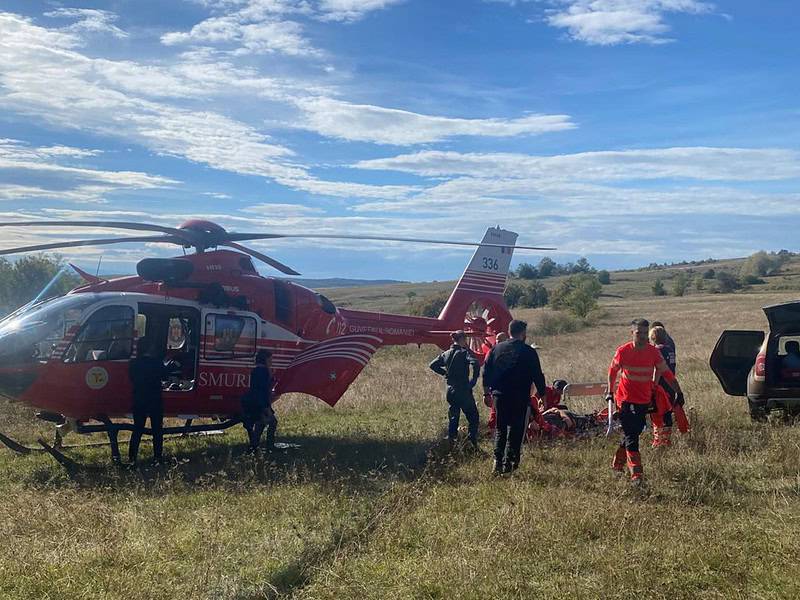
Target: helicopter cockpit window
{"x":34,"y":332}
{"x":233,"y":336}
{"x":107,"y":335}
{"x":327,"y":306}
{"x":247,"y":265}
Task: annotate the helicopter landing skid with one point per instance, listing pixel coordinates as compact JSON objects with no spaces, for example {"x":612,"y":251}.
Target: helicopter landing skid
{"x":63,"y":460}
{"x":24,"y":449}
{"x":113,"y":429}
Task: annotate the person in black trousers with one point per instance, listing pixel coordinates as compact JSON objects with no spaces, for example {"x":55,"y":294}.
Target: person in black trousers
{"x":510,"y":370}
{"x":257,"y":412}
{"x":146,"y":372}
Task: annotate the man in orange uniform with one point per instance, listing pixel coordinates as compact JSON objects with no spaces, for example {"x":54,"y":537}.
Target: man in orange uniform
{"x":639,"y":365}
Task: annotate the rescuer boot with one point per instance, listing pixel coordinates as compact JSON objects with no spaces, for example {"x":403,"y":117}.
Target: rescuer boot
{"x":618,"y":464}
{"x":635,"y":465}
{"x":497,"y":469}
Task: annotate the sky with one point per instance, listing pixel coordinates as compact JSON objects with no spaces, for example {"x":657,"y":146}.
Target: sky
{"x":626,"y":131}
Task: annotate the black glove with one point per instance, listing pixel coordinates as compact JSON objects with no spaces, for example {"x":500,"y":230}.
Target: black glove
{"x":679,"y":399}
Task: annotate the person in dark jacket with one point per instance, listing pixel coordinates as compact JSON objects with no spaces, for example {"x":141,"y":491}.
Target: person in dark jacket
{"x":454,"y":365}
{"x":509,"y":372}
{"x":257,"y":410}
{"x":146,"y":371}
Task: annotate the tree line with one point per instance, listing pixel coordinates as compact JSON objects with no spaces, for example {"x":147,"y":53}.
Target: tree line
{"x":547,"y":267}
{"x":720,"y":281}
{"x":23,"y":280}
{"x":577,"y":294}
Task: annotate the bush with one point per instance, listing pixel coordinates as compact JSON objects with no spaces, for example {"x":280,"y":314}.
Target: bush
{"x":513,"y":294}
{"x":709,"y":274}
{"x":577,"y":294}
{"x":582,"y":266}
{"x":525,"y":295}
{"x":751,"y":280}
{"x":429,"y":306}
{"x":547,"y":267}
{"x":604,"y":277}
{"x":535,"y":296}
{"x":762,"y":264}
{"x":699,"y":283}
{"x":556,"y":323}
{"x":527,"y":271}
{"x":680,"y":284}
{"x":658,"y":288}
{"x":726,"y":283}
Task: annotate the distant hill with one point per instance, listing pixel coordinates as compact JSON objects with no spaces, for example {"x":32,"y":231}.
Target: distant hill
{"x":628,"y":284}
{"x":338,"y":282}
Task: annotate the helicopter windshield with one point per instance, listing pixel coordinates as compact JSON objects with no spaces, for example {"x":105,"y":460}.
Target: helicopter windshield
{"x":33,"y":334}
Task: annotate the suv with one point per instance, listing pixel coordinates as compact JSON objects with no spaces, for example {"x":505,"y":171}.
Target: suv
{"x":765,"y":367}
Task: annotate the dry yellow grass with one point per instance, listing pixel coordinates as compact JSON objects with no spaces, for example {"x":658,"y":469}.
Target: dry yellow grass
{"x":372,"y":507}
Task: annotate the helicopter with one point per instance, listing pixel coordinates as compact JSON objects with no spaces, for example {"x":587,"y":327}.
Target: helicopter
{"x":210,"y":312}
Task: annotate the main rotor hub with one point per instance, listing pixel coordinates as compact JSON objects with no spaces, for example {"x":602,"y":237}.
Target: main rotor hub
{"x":208,"y":234}
{"x":202,"y":226}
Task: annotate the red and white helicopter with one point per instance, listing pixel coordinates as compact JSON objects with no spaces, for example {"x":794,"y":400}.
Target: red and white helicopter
{"x":211,"y":311}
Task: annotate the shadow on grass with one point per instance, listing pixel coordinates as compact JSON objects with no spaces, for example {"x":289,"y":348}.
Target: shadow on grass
{"x":358,"y":463}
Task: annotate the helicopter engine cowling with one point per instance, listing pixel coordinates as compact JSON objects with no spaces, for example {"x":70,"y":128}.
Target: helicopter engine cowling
{"x":168,"y":270}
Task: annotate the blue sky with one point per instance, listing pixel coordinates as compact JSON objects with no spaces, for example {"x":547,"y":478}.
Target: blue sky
{"x":627,"y":131}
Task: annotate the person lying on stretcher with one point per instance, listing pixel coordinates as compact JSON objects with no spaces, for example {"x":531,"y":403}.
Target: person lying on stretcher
{"x":559,"y":421}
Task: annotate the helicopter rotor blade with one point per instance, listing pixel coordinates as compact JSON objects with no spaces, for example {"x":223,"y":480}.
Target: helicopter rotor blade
{"x":96,"y":242}
{"x":377,"y":238}
{"x":179,"y":233}
{"x":285,"y":269}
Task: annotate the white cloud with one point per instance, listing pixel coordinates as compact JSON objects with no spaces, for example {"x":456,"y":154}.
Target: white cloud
{"x":43,"y":77}
{"x":67,"y":182}
{"x":600,"y":184}
{"x":246,"y":36}
{"x":351,"y":10}
{"x":261,"y":26}
{"x":89,"y":21}
{"x":701,"y":163}
{"x":608,"y":22}
{"x":283,"y":210}
{"x":367,"y":123}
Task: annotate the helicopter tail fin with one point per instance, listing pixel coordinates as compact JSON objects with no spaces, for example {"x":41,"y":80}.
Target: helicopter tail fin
{"x":484,"y":280}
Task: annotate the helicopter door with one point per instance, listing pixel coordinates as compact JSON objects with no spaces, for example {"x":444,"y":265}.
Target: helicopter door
{"x":229,"y":347}
{"x":230,"y":337}
{"x":175,"y":332}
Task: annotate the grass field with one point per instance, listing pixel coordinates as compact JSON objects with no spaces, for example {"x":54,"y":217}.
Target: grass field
{"x":373,"y":506}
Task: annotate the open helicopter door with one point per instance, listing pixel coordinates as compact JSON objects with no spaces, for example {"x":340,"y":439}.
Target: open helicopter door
{"x":173,"y":330}
{"x":229,"y":345}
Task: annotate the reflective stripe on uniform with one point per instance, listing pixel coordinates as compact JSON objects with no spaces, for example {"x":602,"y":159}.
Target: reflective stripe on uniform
{"x":637,"y":377}
{"x":637,"y":369}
